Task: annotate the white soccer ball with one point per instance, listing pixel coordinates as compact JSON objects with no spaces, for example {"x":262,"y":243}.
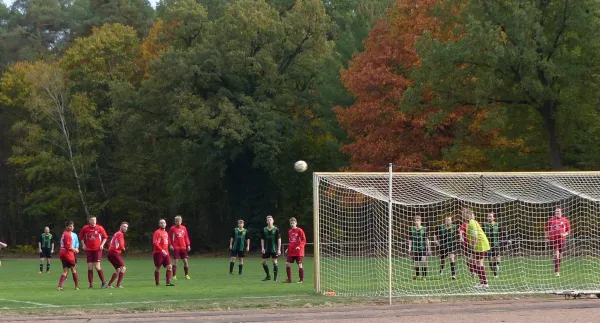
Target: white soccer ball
{"x":300,"y":166}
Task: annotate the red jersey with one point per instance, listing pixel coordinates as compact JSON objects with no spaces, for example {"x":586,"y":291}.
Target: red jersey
{"x":557,"y":226}
{"x":92,"y":236}
{"x":160,"y":241}
{"x":117,"y":243}
{"x":178,"y":237}
{"x":66,"y":242}
{"x":297,"y":239}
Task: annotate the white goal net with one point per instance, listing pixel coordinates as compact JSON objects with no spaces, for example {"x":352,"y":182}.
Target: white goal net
{"x":358,"y":253}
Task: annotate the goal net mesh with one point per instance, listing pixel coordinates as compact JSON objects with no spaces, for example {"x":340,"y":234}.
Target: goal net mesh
{"x":351,"y":231}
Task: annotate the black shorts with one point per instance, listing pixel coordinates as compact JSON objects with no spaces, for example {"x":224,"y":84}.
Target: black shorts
{"x":268,"y":255}
{"x":445,"y":251}
{"x":46,"y":253}
{"x":417,"y":255}
{"x":238,"y":253}
{"x":494,"y":252}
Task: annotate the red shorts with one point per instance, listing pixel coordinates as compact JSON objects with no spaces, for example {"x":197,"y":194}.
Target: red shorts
{"x":161,"y":260}
{"x":180,"y":253}
{"x":93,"y":256}
{"x":558,"y":244}
{"x":297,"y":259}
{"x":115,"y":259}
{"x":478,"y":255}
{"x":67,"y":263}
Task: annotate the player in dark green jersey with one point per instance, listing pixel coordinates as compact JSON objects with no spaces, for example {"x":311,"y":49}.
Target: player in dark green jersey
{"x":446,"y":240}
{"x":418,"y":246}
{"x":270,"y":243}
{"x":495,"y":236}
{"x":239,"y":244}
{"x":46,"y":248}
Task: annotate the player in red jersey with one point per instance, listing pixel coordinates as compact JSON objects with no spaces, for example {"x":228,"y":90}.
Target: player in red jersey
{"x":92,"y":238}
{"x":295,"y":251}
{"x":67,"y":256}
{"x":557,"y":230}
{"x":180,"y":244}
{"x":160,"y":242}
{"x":115,"y":248}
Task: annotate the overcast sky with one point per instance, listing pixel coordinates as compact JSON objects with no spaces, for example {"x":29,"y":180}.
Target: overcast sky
{"x":153,"y":2}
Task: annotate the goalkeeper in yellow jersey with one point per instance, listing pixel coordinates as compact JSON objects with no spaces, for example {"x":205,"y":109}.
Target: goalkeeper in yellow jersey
{"x":418,"y":246}
{"x":479,"y":246}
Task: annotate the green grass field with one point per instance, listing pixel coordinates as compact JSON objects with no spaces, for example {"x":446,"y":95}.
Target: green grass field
{"x":23,"y":290}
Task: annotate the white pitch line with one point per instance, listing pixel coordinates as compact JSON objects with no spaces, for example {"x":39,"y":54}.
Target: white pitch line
{"x":141,"y":302}
{"x":26,"y":302}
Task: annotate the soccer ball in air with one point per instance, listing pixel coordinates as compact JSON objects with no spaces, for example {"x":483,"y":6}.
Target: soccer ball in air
{"x":300,"y":166}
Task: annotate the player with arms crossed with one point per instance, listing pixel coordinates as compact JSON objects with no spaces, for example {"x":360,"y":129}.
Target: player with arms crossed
{"x":295,"y":251}
{"x":160,"y":242}
{"x":493,"y":232}
{"x":239,"y":244}
{"x":67,"y":256}
{"x":557,"y":230}
{"x":180,"y":244}
{"x":446,"y":241}
{"x":478,"y":245}
{"x":270,"y":243}
{"x":418,"y":246}
{"x":115,"y":248}
{"x":46,"y":248}
{"x":92,"y":238}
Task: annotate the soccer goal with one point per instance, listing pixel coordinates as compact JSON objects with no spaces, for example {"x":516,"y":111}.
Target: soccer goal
{"x":362,"y":226}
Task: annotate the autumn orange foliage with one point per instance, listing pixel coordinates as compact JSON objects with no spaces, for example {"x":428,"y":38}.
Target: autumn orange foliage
{"x":378,"y":78}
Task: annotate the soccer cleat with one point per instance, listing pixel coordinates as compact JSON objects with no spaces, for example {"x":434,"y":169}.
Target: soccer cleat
{"x":157,"y":285}
{"x":170,"y":284}
{"x":91,"y":287}
{"x":230,"y":274}
{"x":300,"y":282}
{"x":120,"y":286}
{"x":267,"y":278}
{"x":423,"y":278}
{"x":287,"y":281}
{"x":76,"y":288}
{"x":39,"y":272}
{"x":110,"y":286}
{"x":453,"y":277}
{"x":441,"y":273}
{"x":188,"y":277}
{"x":495,"y":276}
{"x":239,"y":274}
{"x":174,"y":278}
{"x":104,"y":286}
{"x":59,"y":289}
{"x":48,"y":272}
{"x":414,"y":277}
{"x":479,"y":285}
{"x":557,"y":274}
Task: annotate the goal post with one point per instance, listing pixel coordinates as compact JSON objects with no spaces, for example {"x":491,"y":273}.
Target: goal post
{"x":362,"y":225}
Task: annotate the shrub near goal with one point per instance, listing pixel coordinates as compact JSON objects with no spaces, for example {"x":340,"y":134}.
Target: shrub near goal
{"x":358,"y":252}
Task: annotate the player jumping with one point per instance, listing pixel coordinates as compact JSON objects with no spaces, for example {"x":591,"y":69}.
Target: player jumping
{"x":92,"y":238}
{"x":160,"y":242}
{"x":46,"y":248}
{"x":557,"y":230}
{"x":270,"y":243}
{"x":418,"y":246}
{"x":446,"y":241}
{"x":295,"y":251}
{"x":239,"y":244}
{"x":479,"y":245}
{"x":67,"y":257}
{"x":180,"y":245}
{"x":115,"y":248}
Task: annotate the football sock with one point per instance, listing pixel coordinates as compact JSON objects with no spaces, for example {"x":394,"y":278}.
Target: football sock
{"x":156,"y":277}
{"x":452,"y":268}
{"x":231,"y":264}
{"x":288,"y":271}
{"x":493,"y":264}
{"x":442,"y":264}
{"x":416,"y":270}
{"x":275,"y":271}
{"x":174,"y":270}
{"x":101,"y":275}
{"x":266,"y":269}
{"x":121,"y":275}
{"x":47,"y":267}
{"x":185,"y":270}
{"x":112,"y":279}
{"x":424,"y":270}
{"x":61,"y":280}
{"x":301,"y":272}
{"x":91,"y":277}
{"x":75,"y":279}
{"x":41,"y":267}
{"x":168,"y":275}
{"x":240,"y":268}
{"x":482,"y":276}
